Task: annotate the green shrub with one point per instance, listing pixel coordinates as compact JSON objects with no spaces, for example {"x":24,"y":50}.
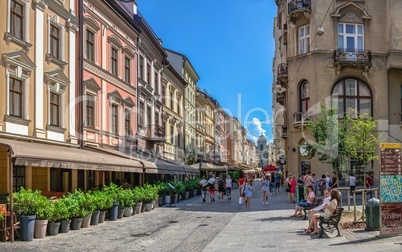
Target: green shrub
{"x":26,"y":201}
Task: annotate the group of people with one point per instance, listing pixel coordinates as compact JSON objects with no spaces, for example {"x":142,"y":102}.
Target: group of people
{"x":224,"y":187}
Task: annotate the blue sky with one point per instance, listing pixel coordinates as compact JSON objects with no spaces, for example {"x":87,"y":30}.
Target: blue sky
{"x":230,"y":44}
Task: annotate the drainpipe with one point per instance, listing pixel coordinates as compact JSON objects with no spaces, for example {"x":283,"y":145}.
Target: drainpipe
{"x":11,"y":165}
{"x":80,"y":72}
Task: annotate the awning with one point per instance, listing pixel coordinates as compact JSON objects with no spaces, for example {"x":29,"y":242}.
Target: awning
{"x":164,"y":165}
{"x":150,"y":167}
{"x":49,"y":155}
{"x":211,"y":167}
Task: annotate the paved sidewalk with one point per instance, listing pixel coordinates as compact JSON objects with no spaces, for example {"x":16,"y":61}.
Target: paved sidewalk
{"x":270,"y":228}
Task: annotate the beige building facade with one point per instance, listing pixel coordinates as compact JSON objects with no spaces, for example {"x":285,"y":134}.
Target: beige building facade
{"x":343,"y":51}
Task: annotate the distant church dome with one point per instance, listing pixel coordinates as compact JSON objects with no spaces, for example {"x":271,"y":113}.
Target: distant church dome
{"x":262,"y":138}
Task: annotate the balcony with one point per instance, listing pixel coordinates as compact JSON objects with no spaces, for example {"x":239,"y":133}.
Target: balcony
{"x":352,"y":58}
{"x":282,"y":74}
{"x":299,"y":8}
{"x":284,"y":132}
{"x":301,"y":119}
{"x":155,"y":133}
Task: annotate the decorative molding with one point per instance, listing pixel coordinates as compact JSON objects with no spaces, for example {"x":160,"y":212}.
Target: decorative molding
{"x":51,"y":59}
{"x":8,"y":37}
{"x":41,"y":4}
{"x":108,"y":77}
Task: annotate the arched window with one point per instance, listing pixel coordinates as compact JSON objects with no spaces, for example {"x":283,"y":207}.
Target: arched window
{"x":353,"y":97}
{"x":304,"y":96}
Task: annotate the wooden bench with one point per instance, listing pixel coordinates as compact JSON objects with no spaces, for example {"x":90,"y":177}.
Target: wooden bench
{"x":331,"y":221}
{"x":53,"y":195}
{"x":316,"y":202}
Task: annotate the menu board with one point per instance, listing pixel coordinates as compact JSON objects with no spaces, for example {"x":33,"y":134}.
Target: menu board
{"x":391,"y":189}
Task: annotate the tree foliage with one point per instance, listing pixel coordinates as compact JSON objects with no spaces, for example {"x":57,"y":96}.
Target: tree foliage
{"x":361,"y":141}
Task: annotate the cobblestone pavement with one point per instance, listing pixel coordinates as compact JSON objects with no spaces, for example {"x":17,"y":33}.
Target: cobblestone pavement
{"x":222,"y":225}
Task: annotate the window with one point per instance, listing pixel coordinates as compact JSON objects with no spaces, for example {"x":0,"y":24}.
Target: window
{"x":172,"y":134}
{"x":54,"y":109}
{"x":142,"y":110}
{"x":127,"y":122}
{"x":90,"y":115}
{"x":127,"y":69}
{"x":115,"y":118}
{"x":178,"y":105}
{"x":171,"y":100}
{"x":149,"y":116}
{"x":156,"y":76}
{"x":156,"y":119}
{"x":149,"y":74}
{"x":18,"y":177}
{"x":15,"y":97}
{"x":17,"y":20}
{"x":304,"y":39}
{"x":114,"y":62}
{"x":141,"y":70}
{"x":352,"y":97}
{"x":55,"y":41}
{"x":304,"y":96}
{"x":164,"y":127}
{"x":350,"y":38}
{"x":90,"y":45}
{"x":163,"y":94}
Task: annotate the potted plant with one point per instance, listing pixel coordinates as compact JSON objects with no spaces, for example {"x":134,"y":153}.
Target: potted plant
{"x":98,"y":199}
{"x":43,"y":212}
{"x":65,"y":213}
{"x":138,"y":194}
{"x":25,"y":203}
{"x":79,"y":208}
{"x":111,"y":191}
{"x":55,"y":216}
{"x":89,"y":206}
{"x":126,"y":201}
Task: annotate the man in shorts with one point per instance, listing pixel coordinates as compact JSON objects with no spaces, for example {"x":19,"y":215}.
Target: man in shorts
{"x":204,"y":189}
{"x":211,"y":183}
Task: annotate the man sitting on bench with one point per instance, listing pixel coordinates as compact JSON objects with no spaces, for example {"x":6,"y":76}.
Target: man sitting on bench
{"x":329,"y":211}
{"x":326,"y":199}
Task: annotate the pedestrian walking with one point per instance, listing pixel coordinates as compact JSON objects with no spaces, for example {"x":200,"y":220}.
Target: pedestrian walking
{"x":265,"y":189}
{"x":292,"y":185}
{"x":211,"y":183}
{"x":248,"y":192}
{"x":204,"y":189}
{"x":228,"y":187}
{"x":277,"y":182}
{"x":221,"y":187}
{"x":352,"y":184}
{"x":272,"y":184}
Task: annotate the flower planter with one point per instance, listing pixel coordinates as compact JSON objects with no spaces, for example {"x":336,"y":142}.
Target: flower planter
{"x":127,"y":211}
{"x":76,"y":223}
{"x":161,"y":201}
{"x":154,"y":204}
{"x":102,"y":215}
{"x":86,"y":221}
{"x":148,"y":207}
{"x":120,"y":213}
{"x":65,"y":226}
{"x":134,"y":210}
{"x":167,"y":199}
{"x":53,"y":228}
{"x":175,"y":197}
{"x":143,"y":207}
{"x":27,"y":223}
{"x":186,"y":195}
{"x":95,"y":218}
{"x":112,"y":213}
{"x":139,"y":207}
{"x":195,"y":192}
{"x":40,"y":229}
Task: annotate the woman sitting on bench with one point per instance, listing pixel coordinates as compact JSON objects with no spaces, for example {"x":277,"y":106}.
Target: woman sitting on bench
{"x":302,"y":204}
{"x":329,"y":211}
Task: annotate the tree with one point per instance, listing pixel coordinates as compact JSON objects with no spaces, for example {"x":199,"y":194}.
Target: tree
{"x":361,"y":141}
{"x":329,"y":138}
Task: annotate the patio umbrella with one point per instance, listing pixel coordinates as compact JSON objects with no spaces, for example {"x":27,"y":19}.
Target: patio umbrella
{"x":269,"y":168}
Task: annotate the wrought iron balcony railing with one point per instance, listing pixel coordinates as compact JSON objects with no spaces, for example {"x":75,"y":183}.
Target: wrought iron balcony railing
{"x":155,"y":133}
{"x":344,"y":57}
{"x":299,"y":6}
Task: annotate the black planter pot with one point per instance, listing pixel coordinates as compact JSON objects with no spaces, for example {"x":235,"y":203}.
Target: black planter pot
{"x":53,"y":228}
{"x":27,"y":223}
{"x":112,"y":213}
{"x":76,"y":223}
{"x":120,"y":213}
{"x":95,"y":218}
{"x":65,"y":226}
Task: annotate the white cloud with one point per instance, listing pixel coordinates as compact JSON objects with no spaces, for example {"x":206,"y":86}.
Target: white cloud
{"x":255,"y":130}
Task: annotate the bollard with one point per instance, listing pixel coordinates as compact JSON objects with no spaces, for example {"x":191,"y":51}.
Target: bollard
{"x":373,"y":214}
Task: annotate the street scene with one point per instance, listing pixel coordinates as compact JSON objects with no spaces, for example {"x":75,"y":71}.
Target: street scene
{"x":223,"y":225}
{"x":247,"y":125}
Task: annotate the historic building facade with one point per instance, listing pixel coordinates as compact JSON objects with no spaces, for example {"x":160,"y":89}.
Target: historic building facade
{"x":173,"y":86}
{"x":183,"y":66}
{"x":343,"y":51}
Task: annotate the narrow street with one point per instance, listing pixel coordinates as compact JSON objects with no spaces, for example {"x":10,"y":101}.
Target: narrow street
{"x":218,"y":226}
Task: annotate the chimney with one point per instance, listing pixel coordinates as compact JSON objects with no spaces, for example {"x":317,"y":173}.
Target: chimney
{"x":131,"y":6}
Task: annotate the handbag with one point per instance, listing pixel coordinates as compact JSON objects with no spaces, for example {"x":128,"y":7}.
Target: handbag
{"x":244,"y":188}
{"x":241,"y":200}
{"x":287,"y":189}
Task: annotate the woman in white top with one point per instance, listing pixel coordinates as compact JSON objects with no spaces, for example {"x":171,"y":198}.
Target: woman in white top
{"x":248,"y":191}
{"x":228,"y":187}
{"x":265,"y":189}
{"x":330,"y":209}
{"x":352,"y":183}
